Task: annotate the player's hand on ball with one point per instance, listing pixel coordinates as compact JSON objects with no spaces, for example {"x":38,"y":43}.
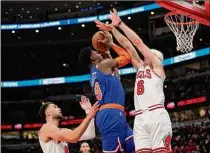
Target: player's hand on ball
{"x":108,"y":35}
{"x":108,"y":40}
{"x":107,"y":53}
{"x":93,"y":110}
{"x":85,"y":104}
{"x":103,"y":26}
{"x":115,"y":18}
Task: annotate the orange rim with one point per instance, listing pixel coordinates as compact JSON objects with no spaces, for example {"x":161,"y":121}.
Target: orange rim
{"x":177,"y":23}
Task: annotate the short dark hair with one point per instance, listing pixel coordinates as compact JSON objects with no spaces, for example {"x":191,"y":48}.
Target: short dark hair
{"x":84,"y":56}
{"x":43,"y":108}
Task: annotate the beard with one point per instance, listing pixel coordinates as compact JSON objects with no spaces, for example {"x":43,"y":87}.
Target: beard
{"x":58,"y":117}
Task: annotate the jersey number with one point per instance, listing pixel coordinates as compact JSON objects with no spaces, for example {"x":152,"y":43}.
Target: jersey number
{"x":97,"y":91}
{"x":140,"y":87}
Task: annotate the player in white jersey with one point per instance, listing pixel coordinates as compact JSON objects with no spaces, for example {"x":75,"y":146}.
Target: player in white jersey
{"x":152,"y":125}
{"x":54,"y":139}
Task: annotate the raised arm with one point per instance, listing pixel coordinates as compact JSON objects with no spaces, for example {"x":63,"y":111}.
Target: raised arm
{"x":136,"y":40}
{"x":108,"y":55}
{"x":122,"y":59}
{"x":90,"y":131}
{"x":124,"y":42}
{"x":72,"y":136}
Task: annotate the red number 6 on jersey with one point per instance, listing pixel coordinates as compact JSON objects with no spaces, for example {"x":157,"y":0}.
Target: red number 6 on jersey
{"x":140,"y":87}
{"x":97,"y":91}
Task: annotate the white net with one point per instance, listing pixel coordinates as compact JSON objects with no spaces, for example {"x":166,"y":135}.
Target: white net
{"x":184,"y":29}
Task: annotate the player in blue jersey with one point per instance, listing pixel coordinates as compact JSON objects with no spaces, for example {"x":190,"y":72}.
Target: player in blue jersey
{"x":116,"y":134}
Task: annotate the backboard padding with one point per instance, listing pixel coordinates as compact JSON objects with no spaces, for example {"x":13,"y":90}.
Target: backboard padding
{"x":189,"y":9}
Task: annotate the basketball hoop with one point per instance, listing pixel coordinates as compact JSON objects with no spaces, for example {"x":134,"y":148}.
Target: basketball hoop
{"x":184,"y":29}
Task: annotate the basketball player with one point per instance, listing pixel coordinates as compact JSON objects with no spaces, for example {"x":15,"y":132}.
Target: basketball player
{"x":53,"y":139}
{"x":152,"y":125}
{"x":84,"y":148}
{"x":111,"y":121}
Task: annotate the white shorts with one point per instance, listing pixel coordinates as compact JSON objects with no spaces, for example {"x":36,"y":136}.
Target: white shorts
{"x":152,"y":131}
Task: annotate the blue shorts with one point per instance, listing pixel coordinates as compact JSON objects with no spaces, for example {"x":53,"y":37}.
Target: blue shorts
{"x":117,"y":136}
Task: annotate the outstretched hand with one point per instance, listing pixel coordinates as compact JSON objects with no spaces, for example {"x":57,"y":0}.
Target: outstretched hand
{"x":115,"y":18}
{"x":85,"y":104}
{"x":115,"y":21}
{"x":94,"y":109}
{"x":103,"y":26}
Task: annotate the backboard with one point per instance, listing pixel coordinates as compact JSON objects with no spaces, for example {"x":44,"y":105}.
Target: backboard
{"x":190,"y":8}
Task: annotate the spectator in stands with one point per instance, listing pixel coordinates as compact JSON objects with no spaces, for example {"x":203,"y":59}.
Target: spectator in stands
{"x":84,"y":148}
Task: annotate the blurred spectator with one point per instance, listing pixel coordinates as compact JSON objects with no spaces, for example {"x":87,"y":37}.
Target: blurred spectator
{"x":84,"y":148}
{"x":190,"y":115}
{"x":186,"y":139}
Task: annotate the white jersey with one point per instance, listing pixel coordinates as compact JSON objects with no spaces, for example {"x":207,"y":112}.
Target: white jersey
{"x":148,"y":89}
{"x":53,"y":146}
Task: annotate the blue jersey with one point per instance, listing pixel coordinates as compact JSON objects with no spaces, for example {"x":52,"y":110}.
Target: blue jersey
{"x":111,"y":123}
{"x":107,"y":87}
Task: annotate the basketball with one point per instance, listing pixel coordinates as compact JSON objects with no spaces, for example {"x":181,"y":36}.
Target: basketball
{"x":99,"y":46}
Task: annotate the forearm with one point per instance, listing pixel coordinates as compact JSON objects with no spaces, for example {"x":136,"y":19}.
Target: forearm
{"x":123,"y":57}
{"x":80,"y":130}
{"x":125,"y":43}
{"x":90,"y":132}
{"x":121,"y":39}
{"x":132,"y":36}
{"x":136,"y":40}
{"x":119,"y":50}
{"x":108,"y":55}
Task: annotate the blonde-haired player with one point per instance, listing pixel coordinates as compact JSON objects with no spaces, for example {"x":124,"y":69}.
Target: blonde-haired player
{"x":152,"y":125}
